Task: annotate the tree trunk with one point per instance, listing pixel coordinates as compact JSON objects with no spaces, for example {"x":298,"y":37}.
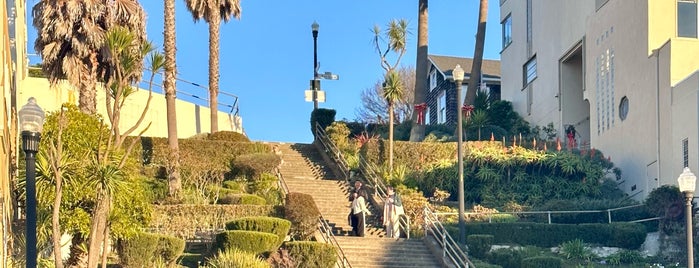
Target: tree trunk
{"x":77,"y":254}
{"x":99,"y":222}
{"x":87,"y":101}
{"x":214,"y":28}
{"x":390,"y":140}
{"x":56,"y":227}
{"x":105,"y":247}
{"x":173,"y":165}
{"x":474,"y":80}
{"x":417,"y":133}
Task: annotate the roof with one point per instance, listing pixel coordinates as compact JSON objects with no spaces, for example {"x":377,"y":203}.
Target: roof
{"x":445,"y":64}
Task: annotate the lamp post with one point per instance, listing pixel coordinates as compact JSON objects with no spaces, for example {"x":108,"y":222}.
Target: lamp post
{"x":458,"y":75}
{"x":31,"y":120}
{"x":315,"y":83}
{"x":687,"y":182}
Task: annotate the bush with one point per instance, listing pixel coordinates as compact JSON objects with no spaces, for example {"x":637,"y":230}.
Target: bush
{"x":479,"y":245}
{"x":576,"y":250}
{"x":506,"y":257}
{"x":543,"y":261}
{"x":235,"y":258}
{"x":253,"y":165}
{"x":144,"y":248}
{"x":228,"y":136}
{"x":625,"y":257}
{"x":481,"y":264}
{"x":312,"y":254}
{"x":250,"y":241}
{"x":324,"y":117}
{"x":303,"y":213}
{"x":277,"y":226}
{"x":242,"y":199}
{"x":238,"y":187}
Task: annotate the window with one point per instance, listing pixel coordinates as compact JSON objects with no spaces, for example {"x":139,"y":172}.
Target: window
{"x":529,"y":71}
{"x":623,"y":108}
{"x":685,"y":152}
{"x":433,"y":80}
{"x":427,"y":116}
{"x":600,"y":3}
{"x":506,"y":31}
{"x":687,"y":18}
{"x":442,"y":108}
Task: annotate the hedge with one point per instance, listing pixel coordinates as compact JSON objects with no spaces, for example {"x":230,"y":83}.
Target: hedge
{"x":242,"y":199}
{"x":324,"y":117}
{"x":144,"y":248}
{"x":231,"y":136}
{"x":253,"y":165}
{"x":417,"y":155}
{"x":250,"y":241}
{"x":182,"y":220}
{"x":479,"y":245}
{"x":310,"y":254}
{"x":277,"y":226}
{"x":623,"y":235}
{"x":542,"y":261}
{"x":303,"y":213}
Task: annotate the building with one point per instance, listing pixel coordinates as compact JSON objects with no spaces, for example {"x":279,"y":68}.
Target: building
{"x":622,"y":73}
{"x":441,"y":96}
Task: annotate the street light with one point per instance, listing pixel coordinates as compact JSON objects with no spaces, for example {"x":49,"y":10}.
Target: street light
{"x":315,"y":83}
{"x":458,"y":75}
{"x":31,"y":120}
{"x":687,"y":182}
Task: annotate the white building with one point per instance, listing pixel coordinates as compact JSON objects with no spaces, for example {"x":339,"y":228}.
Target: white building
{"x":624,"y":73}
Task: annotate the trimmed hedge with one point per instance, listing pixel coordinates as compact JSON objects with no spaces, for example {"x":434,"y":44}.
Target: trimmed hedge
{"x":543,"y":261}
{"x":623,"y":235}
{"x":182,"y":220}
{"x":303,"y":213}
{"x":242,"y":199}
{"x":228,"y":136}
{"x":253,"y":165}
{"x":479,"y":245}
{"x":310,"y":254}
{"x":417,"y":155}
{"x":277,"y":226}
{"x":250,"y":241}
{"x":323,"y":116}
{"x":144,"y":248}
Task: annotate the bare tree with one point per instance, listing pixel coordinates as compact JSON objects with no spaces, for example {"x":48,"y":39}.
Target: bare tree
{"x":374,"y":105}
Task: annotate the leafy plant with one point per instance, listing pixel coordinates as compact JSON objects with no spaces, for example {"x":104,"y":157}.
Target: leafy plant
{"x":576,"y":250}
{"x":236,"y":258}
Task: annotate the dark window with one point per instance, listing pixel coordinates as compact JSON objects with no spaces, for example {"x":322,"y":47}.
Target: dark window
{"x":685,"y":152}
{"x":529,"y":71}
{"x":506,"y":31}
{"x":623,"y":108}
{"x":687,"y":18}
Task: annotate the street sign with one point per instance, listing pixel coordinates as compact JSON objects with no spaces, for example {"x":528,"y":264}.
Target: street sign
{"x":308,"y":95}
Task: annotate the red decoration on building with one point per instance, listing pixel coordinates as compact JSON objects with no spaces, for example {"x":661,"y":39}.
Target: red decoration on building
{"x":467,"y":109}
{"x":420,"y":110}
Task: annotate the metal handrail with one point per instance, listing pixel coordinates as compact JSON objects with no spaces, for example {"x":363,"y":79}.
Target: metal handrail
{"x":548,"y":212}
{"x":366,"y":169}
{"x":450,"y":249}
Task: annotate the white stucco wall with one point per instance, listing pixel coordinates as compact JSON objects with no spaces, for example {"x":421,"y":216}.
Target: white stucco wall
{"x":685,"y":123}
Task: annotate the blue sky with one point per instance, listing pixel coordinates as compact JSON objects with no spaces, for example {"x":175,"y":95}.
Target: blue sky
{"x":267,"y":56}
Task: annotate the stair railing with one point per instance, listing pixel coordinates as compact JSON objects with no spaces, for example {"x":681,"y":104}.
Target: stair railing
{"x":367,"y":170}
{"x":450,"y":249}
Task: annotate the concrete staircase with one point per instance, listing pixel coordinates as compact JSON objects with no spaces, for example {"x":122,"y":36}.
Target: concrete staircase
{"x":370,"y":252}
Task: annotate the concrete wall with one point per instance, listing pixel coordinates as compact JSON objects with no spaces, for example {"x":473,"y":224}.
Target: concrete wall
{"x":685,"y":124}
{"x":191,"y":119}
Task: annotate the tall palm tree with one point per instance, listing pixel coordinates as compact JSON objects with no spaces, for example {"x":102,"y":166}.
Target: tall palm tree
{"x":474,"y":80}
{"x":169,"y":83}
{"x":392,"y":92}
{"x":70,"y":40}
{"x":213,"y":11}
{"x":417,"y":133}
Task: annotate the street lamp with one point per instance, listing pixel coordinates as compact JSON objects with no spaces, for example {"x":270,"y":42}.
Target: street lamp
{"x":315,"y":83}
{"x":31,"y":121}
{"x":687,"y":182}
{"x":458,"y":75}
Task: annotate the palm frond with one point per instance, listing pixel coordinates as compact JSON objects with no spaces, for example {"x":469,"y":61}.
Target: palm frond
{"x":393,"y":87}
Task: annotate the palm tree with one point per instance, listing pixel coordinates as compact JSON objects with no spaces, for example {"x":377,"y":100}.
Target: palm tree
{"x":392,"y":91}
{"x":169,"y":83}
{"x":70,"y":40}
{"x":417,"y":133}
{"x":213,"y":11}
{"x":475,"y":75}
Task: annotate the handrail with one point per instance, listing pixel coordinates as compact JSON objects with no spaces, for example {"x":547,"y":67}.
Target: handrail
{"x":548,"y":212}
{"x":450,"y":249}
{"x":323,"y":227}
{"x":366,"y":169}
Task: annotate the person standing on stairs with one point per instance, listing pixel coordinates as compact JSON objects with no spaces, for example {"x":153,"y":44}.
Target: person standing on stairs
{"x":392,"y":209}
{"x":359,"y":212}
{"x":359,"y":190}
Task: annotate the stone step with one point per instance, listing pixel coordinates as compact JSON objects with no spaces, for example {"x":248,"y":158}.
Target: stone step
{"x":385,"y":252}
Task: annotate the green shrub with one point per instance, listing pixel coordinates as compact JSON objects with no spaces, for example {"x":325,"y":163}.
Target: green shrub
{"x":237,"y":186}
{"x":479,"y":245}
{"x":339,"y":134}
{"x":625,"y":257}
{"x":228,"y":136}
{"x":303,"y":213}
{"x":144,"y":248}
{"x":481,"y":264}
{"x":242,"y":199}
{"x":277,"y":226}
{"x":324,"y":117}
{"x":542,"y":261}
{"x":576,"y":250}
{"x":250,"y":241}
{"x":235,"y":258}
{"x":310,"y":254}
{"x":506,"y":257}
{"x":253,"y":165}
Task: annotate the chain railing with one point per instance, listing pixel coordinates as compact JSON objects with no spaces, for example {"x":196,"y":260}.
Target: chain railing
{"x":323,"y":227}
{"x":450,"y":249}
{"x":367,"y":170}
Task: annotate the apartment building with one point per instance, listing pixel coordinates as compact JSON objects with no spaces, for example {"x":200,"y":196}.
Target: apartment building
{"x":623,"y":73}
